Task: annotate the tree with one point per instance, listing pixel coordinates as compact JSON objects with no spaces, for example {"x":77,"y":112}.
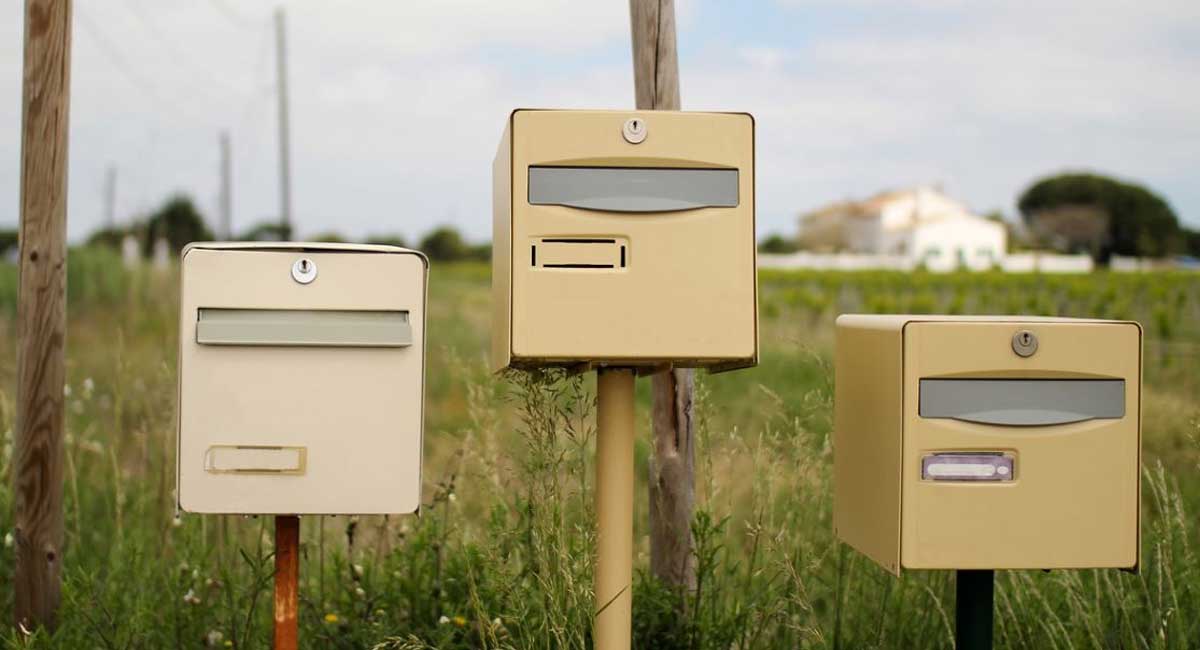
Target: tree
{"x":777,"y":244}
{"x":445,"y":244}
{"x":266,"y":231}
{"x":8,"y":241}
{"x":1192,"y":237}
{"x":178,"y":222}
{"x":1102,"y":215}
{"x":387,"y":240}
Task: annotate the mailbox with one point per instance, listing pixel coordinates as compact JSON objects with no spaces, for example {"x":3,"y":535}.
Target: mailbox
{"x":301,"y":371}
{"x":988,"y":442}
{"x":624,"y":238}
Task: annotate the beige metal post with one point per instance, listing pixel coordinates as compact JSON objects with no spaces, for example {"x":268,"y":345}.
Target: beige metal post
{"x":614,"y":509}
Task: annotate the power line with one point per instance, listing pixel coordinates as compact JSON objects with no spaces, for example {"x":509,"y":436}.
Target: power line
{"x":114,"y":55}
{"x":234,"y":18}
{"x":138,"y":9}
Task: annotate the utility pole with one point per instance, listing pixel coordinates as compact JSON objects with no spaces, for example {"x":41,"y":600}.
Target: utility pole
{"x":226,"y":197}
{"x":285,"y":159}
{"x":110,"y":197}
{"x":672,"y":484}
{"x":41,"y":315}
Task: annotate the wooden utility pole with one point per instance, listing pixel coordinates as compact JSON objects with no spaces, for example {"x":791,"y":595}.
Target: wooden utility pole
{"x":110,"y":197}
{"x":672,"y":467}
{"x":226,"y":196}
{"x":285,"y":147}
{"x":41,"y":314}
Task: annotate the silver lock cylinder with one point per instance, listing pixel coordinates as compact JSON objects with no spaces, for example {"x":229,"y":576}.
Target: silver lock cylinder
{"x":634,"y":130}
{"x":1024,"y":343}
{"x":304,"y":270}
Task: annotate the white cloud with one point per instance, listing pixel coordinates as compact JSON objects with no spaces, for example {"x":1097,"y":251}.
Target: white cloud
{"x":397,"y":106}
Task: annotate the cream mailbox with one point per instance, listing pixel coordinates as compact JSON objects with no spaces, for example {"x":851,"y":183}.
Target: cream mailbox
{"x":988,"y":442}
{"x":624,"y":238}
{"x":300,"y":379}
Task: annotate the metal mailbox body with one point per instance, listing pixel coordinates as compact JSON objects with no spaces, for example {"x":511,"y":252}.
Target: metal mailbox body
{"x":301,"y":397}
{"x":952,"y":451}
{"x":610,"y":252}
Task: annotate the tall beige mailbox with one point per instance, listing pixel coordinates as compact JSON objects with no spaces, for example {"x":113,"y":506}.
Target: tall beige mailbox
{"x":624,"y":238}
{"x":988,"y":442}
{"x":301,"y":373}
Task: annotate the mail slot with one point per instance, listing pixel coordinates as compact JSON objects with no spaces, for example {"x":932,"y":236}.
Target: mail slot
{"x":301,"y":372}
{"x":988,"y":442}
{"x":610,"y":249}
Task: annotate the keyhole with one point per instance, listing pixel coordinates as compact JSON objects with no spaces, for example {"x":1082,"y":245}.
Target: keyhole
{"x":304,"y":266}
{"x":1025,"y":338}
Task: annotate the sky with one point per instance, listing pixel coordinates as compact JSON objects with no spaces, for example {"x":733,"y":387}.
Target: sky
{"x":397,"y":107}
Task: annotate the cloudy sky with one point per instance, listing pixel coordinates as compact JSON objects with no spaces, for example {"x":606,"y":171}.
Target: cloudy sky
{"x":397,"y":107}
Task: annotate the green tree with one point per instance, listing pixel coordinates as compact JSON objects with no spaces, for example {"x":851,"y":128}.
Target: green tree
{"x":179,"y":222}
{"x":108,"y":237}
{"x":8,"y":241}
{"x":778,"y":244}
{"x":387,"y":240}
{"x":1192,"y":237}
{"x":266,"y":231}
{"x":445,"y":244}
{"x":1103,"y":215}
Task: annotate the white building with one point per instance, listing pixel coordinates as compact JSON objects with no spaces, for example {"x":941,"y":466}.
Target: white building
{"x":921,"y":226}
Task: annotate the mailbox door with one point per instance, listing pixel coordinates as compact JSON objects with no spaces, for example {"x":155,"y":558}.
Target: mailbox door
{"x":634,"y":252}
{"x":1013,"y":462}
{"x":301,"y":398}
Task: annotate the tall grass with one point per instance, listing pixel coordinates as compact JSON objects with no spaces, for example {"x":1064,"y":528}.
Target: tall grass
{"x":500,"y":555}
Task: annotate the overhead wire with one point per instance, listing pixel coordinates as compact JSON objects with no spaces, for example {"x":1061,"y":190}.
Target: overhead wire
{"x":138,"y":9}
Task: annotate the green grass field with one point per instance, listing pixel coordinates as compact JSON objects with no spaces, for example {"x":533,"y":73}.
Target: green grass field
{"x":500,"y":556}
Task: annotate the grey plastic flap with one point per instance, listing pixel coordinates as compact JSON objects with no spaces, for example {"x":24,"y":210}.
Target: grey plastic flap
{"x":633,"y":189}
{"x":287,"y":327}
{"x":1022,"y":402}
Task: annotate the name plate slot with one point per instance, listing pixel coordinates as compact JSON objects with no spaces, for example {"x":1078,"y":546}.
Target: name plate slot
{"x":1022,"y":402}
{"x":313,"y":328}
{"x":255,"y":459}
{"x":633,"y":189}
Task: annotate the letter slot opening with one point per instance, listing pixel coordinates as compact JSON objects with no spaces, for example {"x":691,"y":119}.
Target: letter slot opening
{"x":311,"y":328}
{"x":1022,"y":402}
{"x":588,"y":253}
{"x":633,"y":189}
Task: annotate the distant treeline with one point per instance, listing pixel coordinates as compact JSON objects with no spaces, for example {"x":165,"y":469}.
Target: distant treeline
{"x":178,"y":222}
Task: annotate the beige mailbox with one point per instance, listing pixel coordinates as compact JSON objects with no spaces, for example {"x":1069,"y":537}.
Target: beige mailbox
{"x":988,"y":442}
{"x":301,"y":373}
{"x":624,"y":238}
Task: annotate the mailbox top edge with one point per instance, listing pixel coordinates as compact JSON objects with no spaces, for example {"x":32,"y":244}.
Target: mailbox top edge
{"x":328,"y":247}
{"x":899,"y":321}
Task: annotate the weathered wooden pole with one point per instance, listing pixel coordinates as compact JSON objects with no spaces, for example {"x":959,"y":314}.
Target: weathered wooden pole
{"x":287,"y":582}
{"x":672,"y":467}
{"x":41,"y":315}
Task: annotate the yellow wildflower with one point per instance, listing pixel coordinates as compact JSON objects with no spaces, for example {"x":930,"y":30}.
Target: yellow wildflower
{"x":331,"y":618}
{"x":460,"y":621}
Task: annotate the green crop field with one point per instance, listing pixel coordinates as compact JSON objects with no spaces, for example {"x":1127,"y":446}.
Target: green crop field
{"x":500,"y":555}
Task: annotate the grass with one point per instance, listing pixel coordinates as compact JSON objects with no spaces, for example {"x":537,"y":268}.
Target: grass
{"x":500,"y":556}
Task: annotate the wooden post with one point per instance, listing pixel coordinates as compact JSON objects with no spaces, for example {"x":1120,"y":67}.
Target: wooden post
{"x":672,"y":467}
{"x":287,"y":581}
{"x":41,"y":314}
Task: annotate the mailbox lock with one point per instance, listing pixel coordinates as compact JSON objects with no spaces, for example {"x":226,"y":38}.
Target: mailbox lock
{"x":304,"y":270}
{"x":1024,"y":343}
{"x":634,"y":130}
